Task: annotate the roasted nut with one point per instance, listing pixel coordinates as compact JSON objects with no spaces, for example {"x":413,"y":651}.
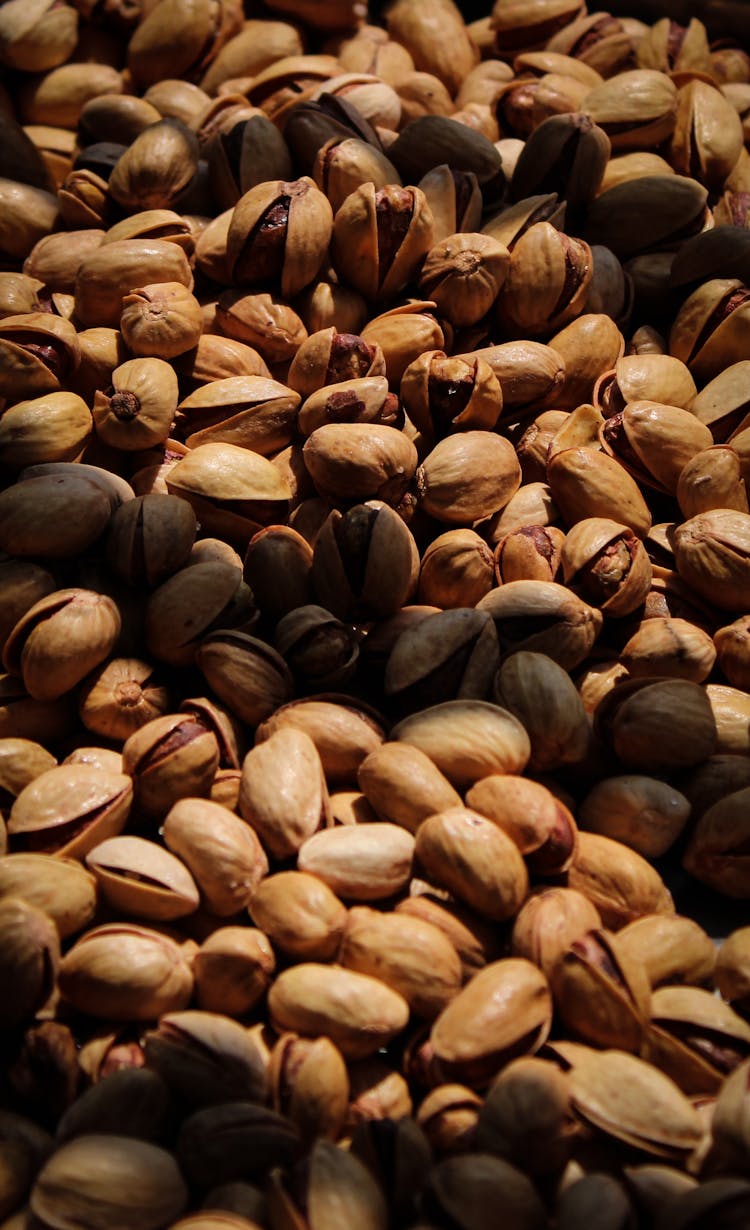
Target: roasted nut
{"x":126,"y":973}
{"x":222,"y":852}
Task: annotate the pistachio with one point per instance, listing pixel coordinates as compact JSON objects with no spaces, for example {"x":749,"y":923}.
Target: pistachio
{"x":138,"y":411}
{"x":474,"y":860}
{"x":120,"y":696}
{"x":109,"y":1181}
{"x":549,"y":921}
{"x":363,"y":862}
{"x":634,"y":1102}
{"x":504,"y":1010}
{"x":467,"y":740}
{"x":410,"y":955}
{"x":357,"y":1012}
{"x":618,"y":881}
{"x":468,"y":476}
{"x":31,"y":957}
{"x":715,"y":853}
{"x":279,"y":228}
{"x":70,"y":809}
{"x":125,"y":972}
{"x":544,"y":699}
{"x":600,"y":993}
{"x":233,"y":969}
{"x":695,"y":1038}
{"x":543,"y":617}
{"x":222,"y":852}
{"x":283,"y":795}
{"x":540,"y":825}
{"x":365,"y":561}
{"x":606,"y":564}
{"x":206,"y":1058}
{"x":141,"y":879}
{"x":60,"y":887}
{"x":300,"y":914}
{"x":730,"y":974}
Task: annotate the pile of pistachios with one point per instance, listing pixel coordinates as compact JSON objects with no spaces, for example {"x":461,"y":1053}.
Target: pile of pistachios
{"x":374,"y":618}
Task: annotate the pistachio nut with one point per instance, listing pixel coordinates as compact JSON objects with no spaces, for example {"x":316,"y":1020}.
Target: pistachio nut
{"x":363,"y":862}
{"x":454,"y":484}
{"x":730,"y":974}
{"x":125,"y":972}
{"x":467,"y":739}
{"x":547,"y":281}
{"x":380,"y":237}
{"x":456,"y":570}
{"x":310,"y":1084}
{"x":549,"y":921}
{"x":170,"y":758}
{"x":70,"y":809}
{"x":233,"y":969}
{"x":193,"y":602}
{"x":141,"y":879}
{"x":715,"y":854}
{"x":601,"y":993}
{"x":654,"y":442}
{"x":695,"y":1038}
{"x":632,"y":1101}
{"x":710,"y":552}
{"x":262,"y":321}
{"x":618,"y":881}
{"x":279,"y":229}
{"x":39,"y":353}
{"x":357,"y":1012}
{"x":164,"y":319}
{"x":60,"y":887}
{"x":526,"y":1116}
{"x":451,"y":654}
{"x":138,"y":411}
{"x":666,"y":646}
{"x":277,"y":568}
{"x":283,"y":794}
{"x":442,"y":395}
{"x":30,"y":960}
{"x":543,"y":697}
{"x":642,"y":812}
{"x":360,"y":461}
{"x":538,"y":823}
{"x":121,"y":696}
{"x":409,"y":954}
{"x":300,"y":914}
{"x":232,"y":490}
{"x":222,"y":852}
{"x":585,"y":483}
{"x":51,"y":428}
{"x":505,"y":1009}
{"x":671,"y":949}
{"x":404,"y":786}
{"x":707,"y":138}
{"x":543,"y":617}
{"x":206,"y":1058}
{"x":607,"y":565}
{"x":134,"y":1102}
{"x":109,"y":1181}
{"x":365,"y":561}
{"x":476,"y":861}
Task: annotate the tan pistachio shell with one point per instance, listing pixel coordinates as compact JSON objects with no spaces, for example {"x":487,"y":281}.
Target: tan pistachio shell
{"x":508,"y":1003}
{"x":359,"y":1013}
